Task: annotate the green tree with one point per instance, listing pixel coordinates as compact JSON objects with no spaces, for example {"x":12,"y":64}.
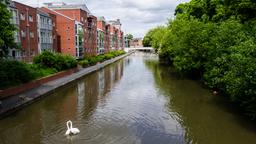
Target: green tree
{"x":214,"y":40}
{"x":7,"y":30}
{"x":129,"y":36}
{"x":154,"y":37}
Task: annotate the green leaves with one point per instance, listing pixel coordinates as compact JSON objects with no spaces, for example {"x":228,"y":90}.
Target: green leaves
{"x":7,"y":30}
{"x":14,"y":73}
{"x":216,"y":40}
{"x":92,"y":60}
{"x":55,"y":60}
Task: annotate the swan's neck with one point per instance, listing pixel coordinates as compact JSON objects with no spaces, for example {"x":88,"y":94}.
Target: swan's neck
{"x":71,"y":125}
{"x":68,"y":125}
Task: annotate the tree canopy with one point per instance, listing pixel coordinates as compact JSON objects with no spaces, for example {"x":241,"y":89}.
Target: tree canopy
{"x":7,"y":29}
{"x":213,"y":40}
{"x":129,"y":36}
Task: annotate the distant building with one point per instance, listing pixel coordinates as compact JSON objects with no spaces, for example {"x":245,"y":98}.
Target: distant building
{"x":107,"y":38}
{"x":92,"y":35}
{"x":101,"y":34}
{"x":137,"y":42}
{"x":116,"y":34}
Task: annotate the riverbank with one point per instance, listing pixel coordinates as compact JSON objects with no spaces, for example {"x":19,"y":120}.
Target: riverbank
{"x":11,"y":104}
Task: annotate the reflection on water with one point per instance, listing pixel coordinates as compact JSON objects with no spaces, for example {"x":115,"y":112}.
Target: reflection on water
{"x":134,"y":101}
{"x":206,"y":119}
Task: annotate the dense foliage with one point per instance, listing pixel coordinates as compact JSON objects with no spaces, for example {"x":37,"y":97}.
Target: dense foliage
{"x":55,"y":60}
{"x":14,"y":73}
{"x":7,"y":29}
{"x":216,"y":41}
{"x":154,"y":37}
{"x":92,"y":60}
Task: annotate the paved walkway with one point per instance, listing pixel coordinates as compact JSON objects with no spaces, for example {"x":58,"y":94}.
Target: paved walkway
{"x":13,"y":103}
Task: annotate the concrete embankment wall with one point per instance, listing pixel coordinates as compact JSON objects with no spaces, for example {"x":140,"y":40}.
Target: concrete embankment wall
{"x":35,"y":90}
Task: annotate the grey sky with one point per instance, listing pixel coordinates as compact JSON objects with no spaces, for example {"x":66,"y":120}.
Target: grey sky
{"x":137,"y":16}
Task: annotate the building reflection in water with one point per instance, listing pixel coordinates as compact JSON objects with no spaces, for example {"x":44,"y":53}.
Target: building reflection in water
{"x":77,"y":102}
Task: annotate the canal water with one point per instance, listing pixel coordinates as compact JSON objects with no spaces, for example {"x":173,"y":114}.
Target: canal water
{"x":133,"y":101}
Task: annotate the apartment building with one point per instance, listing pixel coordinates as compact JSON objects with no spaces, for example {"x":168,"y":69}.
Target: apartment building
{"x":101,"y":33}
{"x":107,"y":38}
{"x":25,"y":18}
{"x":45,"y":32}
{"x":80,"y":13}
{"x":15,"y":53}
{"x":70,"y":29}
{"x":92,"y":35}
{"x":68,"y":34}
{"x":113,"y":37}
{"x":117,"y":36}
{"x":121,"y":40}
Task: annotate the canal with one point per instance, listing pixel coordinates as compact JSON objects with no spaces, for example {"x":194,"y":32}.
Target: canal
{"x":133,"y":101}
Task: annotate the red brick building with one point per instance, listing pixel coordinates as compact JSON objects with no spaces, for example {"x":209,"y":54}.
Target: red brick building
{"x":54,"y":32}
{"x":117,"y":35}
{"x":27,"y":31}
{"x":107,"y":38}
{"x":92,"y":36}
{"x":65,"y":29}
{"x":81,"y":14}
{"x":101,"y":33}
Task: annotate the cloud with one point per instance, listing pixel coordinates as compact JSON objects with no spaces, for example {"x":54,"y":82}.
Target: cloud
{"x":137,"y":16}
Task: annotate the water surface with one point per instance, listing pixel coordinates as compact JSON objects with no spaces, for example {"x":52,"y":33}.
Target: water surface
{"x":133,"y":101}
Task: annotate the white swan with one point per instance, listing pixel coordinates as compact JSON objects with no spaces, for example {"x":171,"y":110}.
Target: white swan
{"x":71,"y":130}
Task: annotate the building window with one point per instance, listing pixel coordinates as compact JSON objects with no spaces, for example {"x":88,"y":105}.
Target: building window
{"x":31,"y":35}
{"x":22,"y":16}
{"x":49,"y":21}
{"x":30,"y":18}
{"x":23,"y":34}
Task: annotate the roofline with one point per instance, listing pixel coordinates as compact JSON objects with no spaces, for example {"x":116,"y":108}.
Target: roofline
{"x":60,"y":14}
{"x":24,"y":5}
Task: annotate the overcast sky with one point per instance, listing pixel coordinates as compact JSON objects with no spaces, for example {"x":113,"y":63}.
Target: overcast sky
{"x":137,"y":16}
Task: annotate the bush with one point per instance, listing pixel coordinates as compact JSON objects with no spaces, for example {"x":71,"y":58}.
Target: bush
{"x":41,"y":71}
{"x":84,"y":63}
{"x":92,"y":60}
{"x":14,"y":73}
{"x":57,"y":61}
{"x":109,"y":56}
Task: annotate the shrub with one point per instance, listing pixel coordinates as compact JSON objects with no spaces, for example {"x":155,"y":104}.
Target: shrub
{"x":57,"y":61}
{"x":92,"y":60}
{"x":15,"y":73}
{"x":109,"y":56}
{"x":42,"y":71}
{"x":84,"y":63}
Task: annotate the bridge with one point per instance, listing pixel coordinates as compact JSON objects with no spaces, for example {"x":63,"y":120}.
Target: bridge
{"x":146,"y":49}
